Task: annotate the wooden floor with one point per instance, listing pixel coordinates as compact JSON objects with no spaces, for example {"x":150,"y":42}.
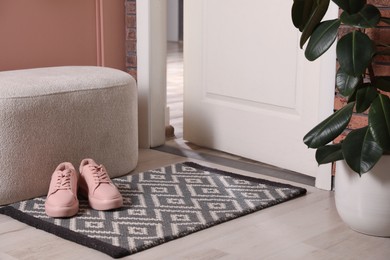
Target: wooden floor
{"x":304,"y":228}
{"x":175,"y":86}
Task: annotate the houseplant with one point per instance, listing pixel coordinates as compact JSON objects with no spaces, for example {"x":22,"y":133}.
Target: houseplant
{"x":356,"y":80}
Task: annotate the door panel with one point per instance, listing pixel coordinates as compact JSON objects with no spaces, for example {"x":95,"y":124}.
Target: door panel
{"x":231,"y":43}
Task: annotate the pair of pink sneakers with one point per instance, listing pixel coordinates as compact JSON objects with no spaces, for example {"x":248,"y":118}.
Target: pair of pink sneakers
{"x":94,"y":184}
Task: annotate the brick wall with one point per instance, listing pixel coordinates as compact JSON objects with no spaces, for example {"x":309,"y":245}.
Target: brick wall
{"x":381,"y":65}
{"x":131,"y":38}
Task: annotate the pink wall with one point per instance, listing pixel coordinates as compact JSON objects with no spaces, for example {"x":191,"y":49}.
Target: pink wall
{"x":41,"y":33}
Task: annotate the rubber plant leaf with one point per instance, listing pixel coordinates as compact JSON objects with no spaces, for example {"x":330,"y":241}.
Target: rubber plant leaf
{"x":354,"y":52}
{"x":322,"y":38}
{"x":368,"y":17}
{"x":379,"y":121}
{"x":319,"y":11}
{"x":300,"y":12}
{"x":345,"y":83}
{"x":329,"y":153}
{"x":361,"y":152}
{"x":352,"y":97}
{"x":364,"y":97}
{"x":383,"y":83}
{"x":330,"y":128}
{"x":350,"y":6}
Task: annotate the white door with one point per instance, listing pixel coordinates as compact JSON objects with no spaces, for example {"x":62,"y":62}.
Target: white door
{"x":248,"y":89}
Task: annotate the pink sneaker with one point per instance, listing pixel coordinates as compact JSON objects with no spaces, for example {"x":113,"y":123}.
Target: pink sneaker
{"x":61,"y":200}
{"x":97,"y":186}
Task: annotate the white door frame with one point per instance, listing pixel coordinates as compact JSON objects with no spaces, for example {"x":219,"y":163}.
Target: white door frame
{"x":151,"y":57}
{"x":151,"y":71}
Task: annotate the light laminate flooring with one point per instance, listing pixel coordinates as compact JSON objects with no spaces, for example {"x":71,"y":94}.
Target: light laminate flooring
{"x":304,"y":228}
{"x":175,"y":86}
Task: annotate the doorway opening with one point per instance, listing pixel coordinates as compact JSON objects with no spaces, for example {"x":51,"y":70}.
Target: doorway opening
{"x":175,"y":88}
{"x":175,"y":69}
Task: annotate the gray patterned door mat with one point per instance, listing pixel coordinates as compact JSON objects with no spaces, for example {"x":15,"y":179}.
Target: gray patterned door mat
{"x":159,"y":205}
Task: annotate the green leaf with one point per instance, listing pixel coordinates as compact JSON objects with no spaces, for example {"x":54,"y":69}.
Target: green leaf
{"x":364,"y":97}
{"x":322,"y":38}
{"x":300,"y":12}
{"x":360,"y":150}
{"x":352,"y":97}
{"x":379,"y":121}
{"x":329,"y":153}
{"x":330,"y":128}
{"x":350,"y":6}
{"x":345,"y":83}
{"x":354,"y":53}
{"x":368,"y":17}
{"x":319,"y":11}
{"x":383,"y":83}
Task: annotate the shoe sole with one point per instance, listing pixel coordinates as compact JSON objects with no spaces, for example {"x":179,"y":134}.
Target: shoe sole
{"x":61,"y":212}
{"x":99,"y":204}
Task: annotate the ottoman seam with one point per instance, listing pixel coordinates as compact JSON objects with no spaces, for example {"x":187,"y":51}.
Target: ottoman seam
{"x":65,"y":92}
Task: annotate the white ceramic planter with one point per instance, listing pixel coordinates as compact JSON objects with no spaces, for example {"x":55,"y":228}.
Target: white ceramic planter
{"x":363,"y":202}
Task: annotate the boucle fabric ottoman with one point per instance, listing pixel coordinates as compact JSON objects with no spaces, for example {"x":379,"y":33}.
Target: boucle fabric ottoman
{"x":64,"y":114}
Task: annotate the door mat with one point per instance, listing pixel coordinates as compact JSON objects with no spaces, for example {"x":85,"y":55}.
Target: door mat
{"x":159,"y":205}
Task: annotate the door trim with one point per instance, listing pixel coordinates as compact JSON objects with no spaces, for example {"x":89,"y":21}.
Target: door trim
{"x":151,"y":71}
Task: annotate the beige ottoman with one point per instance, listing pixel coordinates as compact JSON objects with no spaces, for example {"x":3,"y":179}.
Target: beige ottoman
{"x":52,"y":115}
